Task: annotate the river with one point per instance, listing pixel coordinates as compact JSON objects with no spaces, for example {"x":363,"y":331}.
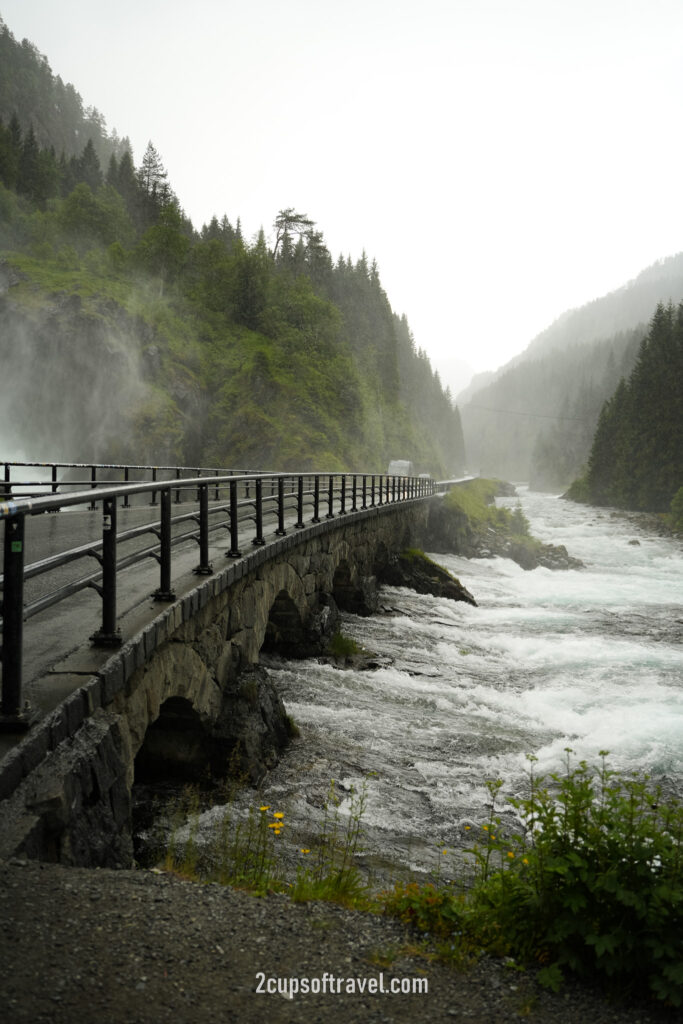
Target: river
{"x":589,"y":659}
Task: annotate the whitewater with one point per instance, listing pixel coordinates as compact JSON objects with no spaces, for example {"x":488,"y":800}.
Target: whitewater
{"x":588,"y":659}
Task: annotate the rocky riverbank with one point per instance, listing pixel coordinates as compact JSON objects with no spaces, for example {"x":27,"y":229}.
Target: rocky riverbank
{"x":466,"y":522}
{"x":135,"y":947}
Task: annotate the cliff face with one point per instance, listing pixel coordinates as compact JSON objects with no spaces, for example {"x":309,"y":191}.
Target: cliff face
{"x":73,"y":379}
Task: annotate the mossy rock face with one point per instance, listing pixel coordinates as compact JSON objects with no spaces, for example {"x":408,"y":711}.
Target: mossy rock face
{"x":415,"y":570}
{"x":466,"y":522}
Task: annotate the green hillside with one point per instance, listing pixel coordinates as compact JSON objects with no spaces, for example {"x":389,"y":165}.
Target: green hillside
{"x":128,"y":334}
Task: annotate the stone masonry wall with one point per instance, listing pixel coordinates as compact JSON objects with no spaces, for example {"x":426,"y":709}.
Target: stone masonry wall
{"x":65,"y":789}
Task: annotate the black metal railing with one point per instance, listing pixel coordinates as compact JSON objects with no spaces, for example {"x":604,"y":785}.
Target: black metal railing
{"x":31,"y":479}
{"x":243,"y":505}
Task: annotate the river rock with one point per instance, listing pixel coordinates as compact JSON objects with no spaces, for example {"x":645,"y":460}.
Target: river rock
{"x":414,"y":570}
{"x":252,"y":728}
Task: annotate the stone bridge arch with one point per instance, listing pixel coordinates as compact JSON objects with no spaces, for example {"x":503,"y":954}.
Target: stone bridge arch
{"x":193,"y":668}
{"x":285,"y":632}
{"x":174,"y":745}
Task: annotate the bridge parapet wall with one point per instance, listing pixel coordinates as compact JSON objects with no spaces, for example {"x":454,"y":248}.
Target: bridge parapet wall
{"x":66,"y":789}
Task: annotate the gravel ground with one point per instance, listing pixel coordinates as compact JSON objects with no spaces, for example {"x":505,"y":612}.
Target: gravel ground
{"x":134,"y":947}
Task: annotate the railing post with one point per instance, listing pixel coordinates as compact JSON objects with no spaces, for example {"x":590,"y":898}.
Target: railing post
{"x":234,"y":551}
{"x":393,"y":487}
{"x":258,"y":540}
{"x":381,"y":491}
{"x":177,"y":493}
{"x":354,"y":493}
{"x":108,"y":635}
{"x":372,"y":491}
{"x":330,"y":498}
{"x":54,"y":479}
{"x":299,"y":525}
{"x":11,"y":717}
{"x":164,"y":593}
{"x":280,"y":532}
{"x":205,"y":567}
{"x":154,"y":493}
{"x":93,"y":484}
{"x":387,"y":495}
{"x":342,"y":505}
{"x":126,"y":479}
{"x":365,"y":492}
{"x":316,"y":500}
{"x":8,"y":485}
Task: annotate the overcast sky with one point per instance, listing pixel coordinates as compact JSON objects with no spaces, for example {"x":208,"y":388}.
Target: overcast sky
{"x":502,"y":160}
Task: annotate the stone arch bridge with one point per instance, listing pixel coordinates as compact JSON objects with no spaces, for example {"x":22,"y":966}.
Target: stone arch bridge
{"x":184,"y":691}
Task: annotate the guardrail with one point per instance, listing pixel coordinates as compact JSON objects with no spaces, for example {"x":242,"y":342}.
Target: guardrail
{"x":30,"y":479}
{"x":219,"y":502}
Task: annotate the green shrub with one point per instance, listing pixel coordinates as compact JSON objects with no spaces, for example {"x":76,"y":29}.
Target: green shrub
{"x":341,"y":646}
{"x":595,"y":883}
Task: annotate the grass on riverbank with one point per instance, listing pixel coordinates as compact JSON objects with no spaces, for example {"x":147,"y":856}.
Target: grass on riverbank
{"x":483,"y":525}
{"x":592,"y":885}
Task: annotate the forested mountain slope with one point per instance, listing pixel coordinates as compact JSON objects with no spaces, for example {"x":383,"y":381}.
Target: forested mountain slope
{"x":127,"y":334}
{"x":536,"y":420}
{"x":636,"y":459}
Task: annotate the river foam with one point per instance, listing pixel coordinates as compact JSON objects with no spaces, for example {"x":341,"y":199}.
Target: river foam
{"x":589,"y":659}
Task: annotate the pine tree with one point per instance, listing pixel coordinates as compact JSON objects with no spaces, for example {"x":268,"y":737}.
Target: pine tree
{"x":155,"y":190}
{"x":10,"y":153}
{"x":89,"y":170}
{"x":29,"y":183}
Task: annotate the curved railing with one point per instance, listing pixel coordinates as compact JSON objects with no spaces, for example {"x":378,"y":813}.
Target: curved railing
{"x":30,"y":479}
{"x":242,"y":504}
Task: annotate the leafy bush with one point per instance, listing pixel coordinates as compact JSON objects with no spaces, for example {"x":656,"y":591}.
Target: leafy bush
{"x":595,"y":883}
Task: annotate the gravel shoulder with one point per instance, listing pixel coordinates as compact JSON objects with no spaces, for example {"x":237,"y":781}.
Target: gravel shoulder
{"x":135,"y":947}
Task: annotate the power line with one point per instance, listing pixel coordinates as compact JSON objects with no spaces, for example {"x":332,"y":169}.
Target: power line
{"x":536,"y":415}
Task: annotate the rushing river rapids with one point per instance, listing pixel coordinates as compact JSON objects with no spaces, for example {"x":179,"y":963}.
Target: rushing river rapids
{"x":589,"y":659}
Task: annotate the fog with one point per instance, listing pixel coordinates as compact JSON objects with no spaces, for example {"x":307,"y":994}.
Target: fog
{"x":71,"y":386}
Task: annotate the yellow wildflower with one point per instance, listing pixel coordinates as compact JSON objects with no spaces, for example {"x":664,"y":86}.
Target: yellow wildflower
{"x":278,"y":814}
{"x":267,"y":806}
{"x":510,"y":854}
{"x":305,"y":851}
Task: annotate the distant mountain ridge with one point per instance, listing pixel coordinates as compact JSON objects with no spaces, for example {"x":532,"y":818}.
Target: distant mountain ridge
{"x":535,"y":420}
{"x":619,"y":310}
